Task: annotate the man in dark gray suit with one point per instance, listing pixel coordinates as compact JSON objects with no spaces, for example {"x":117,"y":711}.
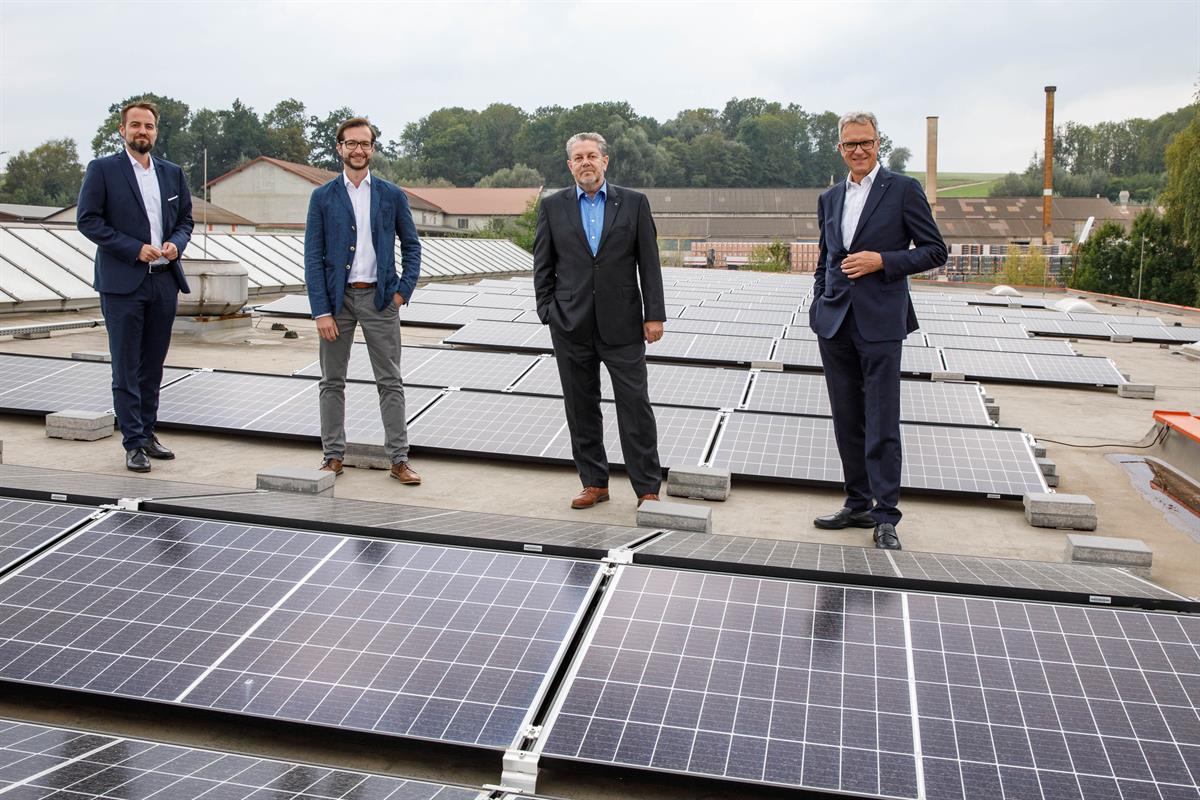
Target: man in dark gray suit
{"x":599,"y":288}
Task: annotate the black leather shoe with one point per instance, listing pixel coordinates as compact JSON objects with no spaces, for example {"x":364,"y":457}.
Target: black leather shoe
{"x":136,"y":460}
{"x":156,"y":450}
{"x":886,"y":537}
{"x":845,"y":518}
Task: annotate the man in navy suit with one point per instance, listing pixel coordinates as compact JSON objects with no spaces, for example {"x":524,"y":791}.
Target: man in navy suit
{"x":350,"y":270}
{"x":137,"y":208}
{"x":876,"y":230}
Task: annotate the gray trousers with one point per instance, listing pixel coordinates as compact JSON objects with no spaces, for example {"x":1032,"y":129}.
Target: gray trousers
{"x":381,"y":329}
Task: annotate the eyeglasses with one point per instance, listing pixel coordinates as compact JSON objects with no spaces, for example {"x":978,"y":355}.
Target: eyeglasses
{"x":366,"y":147}
{"x":867,"y":146}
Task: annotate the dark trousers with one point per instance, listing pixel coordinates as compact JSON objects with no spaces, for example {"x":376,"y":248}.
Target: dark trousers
{"x":139,"y":333}
{"x":579,"y":371}
{"x":863,"y":379}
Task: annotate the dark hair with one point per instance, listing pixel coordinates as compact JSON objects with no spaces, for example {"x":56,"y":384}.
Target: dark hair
{"x":146,"y":104}
{"x":356,"y":122}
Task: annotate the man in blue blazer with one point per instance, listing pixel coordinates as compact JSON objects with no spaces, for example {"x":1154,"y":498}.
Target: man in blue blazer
{"x":137,"y":208}
{"x":350,"y":270}
{"x":876,"y":230}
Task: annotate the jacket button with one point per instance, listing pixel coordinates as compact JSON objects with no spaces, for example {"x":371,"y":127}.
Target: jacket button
{"x":347,"y":266}
{"x":351,"y":248}
{"x":353,"y":228}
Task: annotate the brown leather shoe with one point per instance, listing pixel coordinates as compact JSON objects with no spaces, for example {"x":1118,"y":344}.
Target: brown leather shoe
{"x":589,"y":497}
{"x":404,"y":473}
{"x":646,"y":497}
{"x":333,"y":465}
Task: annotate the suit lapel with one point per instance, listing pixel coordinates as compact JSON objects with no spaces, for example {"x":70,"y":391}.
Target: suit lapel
{"x":339,"y":191}
{"x":376,"y":208}
{"x":160,"y":175}
{"x":612,"y":207}
{"x":127,"y":168}
{"x":571,"y":204}
{"x":882,"y":181}
{"x":837,"y":199}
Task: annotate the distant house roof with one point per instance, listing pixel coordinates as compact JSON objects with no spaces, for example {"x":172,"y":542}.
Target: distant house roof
{"x":19,"y":212}
{"x":1010,"y":208}
{"x":216,"y":214}
{"x":478,"y":202}
{"x":314,"y":175}
{"x":732,"y":201}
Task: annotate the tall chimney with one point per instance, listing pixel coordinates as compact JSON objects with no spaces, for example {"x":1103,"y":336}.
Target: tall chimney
{"x":1048,"y":170}
{"x":931,"y":144}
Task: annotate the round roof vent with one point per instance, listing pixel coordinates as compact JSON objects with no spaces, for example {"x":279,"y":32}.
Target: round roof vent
{"x":1004,"y":291}
{"x":1076,"y":305}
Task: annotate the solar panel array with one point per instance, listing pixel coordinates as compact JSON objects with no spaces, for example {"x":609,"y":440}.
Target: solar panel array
{"x":28,"y":526}
{"x":881,"y":693}
{"x":408,"y":640}
{"x":43,"y":385}
{"x":40,"y":761}
{"x":65,"y":486}
{"x":1033,"y":367}
{"x":674,"y":384}
{"x":51,"y":266}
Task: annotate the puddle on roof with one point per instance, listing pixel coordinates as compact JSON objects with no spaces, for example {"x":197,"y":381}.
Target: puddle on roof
{"x":1165,"y":488}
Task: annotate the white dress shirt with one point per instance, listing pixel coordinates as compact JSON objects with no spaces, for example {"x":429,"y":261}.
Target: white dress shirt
{"x":364,"y":267}
{"x":852,"y":207}
{"x":152,"y":200}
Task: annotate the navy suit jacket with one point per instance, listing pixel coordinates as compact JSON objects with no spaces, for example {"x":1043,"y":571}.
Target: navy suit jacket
{"x":580,"y":293}
{"x":330,"y":237}
{"x":895,"y":215}
{"x":111,"y":214}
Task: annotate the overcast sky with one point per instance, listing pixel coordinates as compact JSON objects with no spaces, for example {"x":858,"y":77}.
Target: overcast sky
{"x":980,"y":66}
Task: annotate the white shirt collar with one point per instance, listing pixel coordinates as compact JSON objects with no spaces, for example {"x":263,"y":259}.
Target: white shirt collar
{"x":138,"y":166}
{"x":867,"y":180}
{"x":350,"y":184}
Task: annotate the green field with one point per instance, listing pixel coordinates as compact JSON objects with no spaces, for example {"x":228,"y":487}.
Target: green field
{"x":962,"y":184}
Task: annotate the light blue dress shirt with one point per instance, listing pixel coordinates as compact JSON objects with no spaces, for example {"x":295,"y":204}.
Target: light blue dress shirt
{"x":591,"y":210}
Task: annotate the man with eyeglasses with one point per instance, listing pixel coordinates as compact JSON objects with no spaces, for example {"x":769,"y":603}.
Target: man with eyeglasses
{"x":876,"y":230}
{"x":598,"y":285}
{"x":350,"y":270}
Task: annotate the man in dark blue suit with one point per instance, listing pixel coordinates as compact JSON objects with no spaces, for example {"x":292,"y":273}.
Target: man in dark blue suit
{"x":138,"y":210}
{"x":350,"y":269}
{"x":876,"y":230}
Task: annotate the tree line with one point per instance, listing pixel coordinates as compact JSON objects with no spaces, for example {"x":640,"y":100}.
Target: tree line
{"x":1104,"y":159}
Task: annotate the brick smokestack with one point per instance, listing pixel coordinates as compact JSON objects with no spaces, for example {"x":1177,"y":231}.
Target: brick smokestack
{"x":1048,"y":170}
{"x":931,"y":145}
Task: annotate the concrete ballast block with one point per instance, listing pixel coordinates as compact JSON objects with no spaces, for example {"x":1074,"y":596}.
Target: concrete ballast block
{"x":1137,"y":391}
{"x":80,"y":426}
{"x":1122,"y":338}
{"x":1067,"y":511}
{"x":366,"y":456}
{"x":677,"y":516}
{"x":946,"y":376}
{"x":993,"y":413}
{"x":1051,"y":481}
{"x":92,"y":355}
{"x":302,"y":480}
{"x":767,"y":366}
{"x":1109,"y":551}
{"x":1047,"y":466}
{"x":703,"y":483}
{"x":1039,"y":450}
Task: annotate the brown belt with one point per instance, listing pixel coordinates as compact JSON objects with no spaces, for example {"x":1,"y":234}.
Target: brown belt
{"x":361,"y":284}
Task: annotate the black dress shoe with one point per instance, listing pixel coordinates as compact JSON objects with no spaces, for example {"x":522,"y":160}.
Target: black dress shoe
{"x":155,"y":449}
{"x":136,"y":460}
{"x":845,"y":519}
{"x":886,"y":537}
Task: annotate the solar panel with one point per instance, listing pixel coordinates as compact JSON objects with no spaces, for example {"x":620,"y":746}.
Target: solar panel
{"x":738,"y":315}
{"x":805,"y":353}
{"x":443,"y":316}
{"x":743,"y":678}
{"x":467,"y":369}
{"x":225,"y":400}
{"x":510,"y":301}
{"x":395,"y":638}
{"x":909,"y":569}
{"x":80,"y":386}
{"x":64,"y":486}
{"x":1051,"y":347}
{"x":503,"y":335}
{"x":291,"y":305}
{"x":737,"y":303}
{"x":28,"y":526}
{"x":1017,"y":314}
{"x":409,"y":522}
{"x":998,"y":330}
{"x":17,"y":370}
{"x":701,"y":347}
{"x":300,"y":416}
{"x":1033,"y":367}
{"x":723,"y":328}
{"x":1152,"y":333}
{"x":359,"y":366}
{"x":1044,"y":701}
{"x":920,"y":401}
{"x":52,"y":762}
{"x":1050,"y":327}
{"x":994,"y":462}
{"x":675,"y":384}
{"x":684,"y":436}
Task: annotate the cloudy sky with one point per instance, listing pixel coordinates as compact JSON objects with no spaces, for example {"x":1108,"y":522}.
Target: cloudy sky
{"x":980,"y":66}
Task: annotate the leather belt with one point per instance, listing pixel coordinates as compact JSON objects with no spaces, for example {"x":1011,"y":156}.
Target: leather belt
{"x":360,"y":284}
{"x":157,"y":268}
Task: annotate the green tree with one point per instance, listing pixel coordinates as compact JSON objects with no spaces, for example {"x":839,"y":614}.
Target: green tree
{"x":444,"y":145}
{"x":773,"y":257}
{"x":520,"y":231}
{"x":496,"y":131}
{"x":174,"y":118}
{"x":1168,"y":269}
{"x":516,"y":176}
{"x":636,"y":161}
{"x":322,"y":138}
{"x":284,"y":126}
{"x":47,"y":175}
{"x":1181,"y":198}
{"x":1106,"y":263}
{"x":898,"y":159}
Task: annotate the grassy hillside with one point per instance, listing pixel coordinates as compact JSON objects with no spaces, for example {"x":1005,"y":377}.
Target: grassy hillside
{"x":962,"y":184}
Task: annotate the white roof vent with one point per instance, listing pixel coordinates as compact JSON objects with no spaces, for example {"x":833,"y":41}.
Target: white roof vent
{"x":1004,"y":291}
{"x":1076,"y":305}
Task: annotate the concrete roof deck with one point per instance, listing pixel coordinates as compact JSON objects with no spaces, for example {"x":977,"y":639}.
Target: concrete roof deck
{"x":936,"y":524}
